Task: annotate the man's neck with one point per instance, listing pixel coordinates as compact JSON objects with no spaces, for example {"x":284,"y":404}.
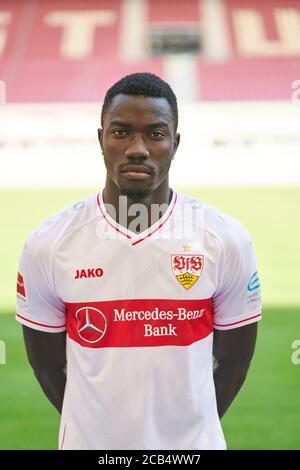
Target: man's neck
{"x":135,"y":213}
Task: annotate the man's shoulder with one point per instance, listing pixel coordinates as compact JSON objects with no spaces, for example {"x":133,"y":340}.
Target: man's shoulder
{"x":44,"y":237}
{"x":220,"y":225}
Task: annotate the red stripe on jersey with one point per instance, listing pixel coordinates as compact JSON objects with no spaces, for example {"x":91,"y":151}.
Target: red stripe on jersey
{"x":237,"y":322}
{"x":108,"y":221}
{"x":159,"y":227}
{"x":39,"y":324}
{"x":63,"y":439}
{"x":114,"y":224}
{"x":139,"y":322}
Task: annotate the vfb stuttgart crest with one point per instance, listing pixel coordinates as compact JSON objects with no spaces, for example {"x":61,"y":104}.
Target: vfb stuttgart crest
{"x":187,"y":268}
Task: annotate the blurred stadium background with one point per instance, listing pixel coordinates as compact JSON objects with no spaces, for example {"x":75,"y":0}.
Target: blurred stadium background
{"x":235,"y":67}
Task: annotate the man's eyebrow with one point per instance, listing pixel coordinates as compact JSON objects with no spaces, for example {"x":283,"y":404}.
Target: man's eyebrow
{"x":158,"y":124}
{"x":118,"y":122}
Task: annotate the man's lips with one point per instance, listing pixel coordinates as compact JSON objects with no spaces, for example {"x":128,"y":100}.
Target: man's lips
{"x":136,"y":169}
{"x":136,"y":175}
{"x":136,"y":172}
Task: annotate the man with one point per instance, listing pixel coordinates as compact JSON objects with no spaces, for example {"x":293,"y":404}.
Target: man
{"x":126,"y":297}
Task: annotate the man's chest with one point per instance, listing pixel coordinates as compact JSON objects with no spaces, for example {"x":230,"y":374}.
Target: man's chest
{"x":114,"y":269}
{"x":119,"y":295}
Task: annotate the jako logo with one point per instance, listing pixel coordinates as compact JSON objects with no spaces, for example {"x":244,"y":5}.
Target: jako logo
{"x":254,"y":282}
{"x":87,"y":273}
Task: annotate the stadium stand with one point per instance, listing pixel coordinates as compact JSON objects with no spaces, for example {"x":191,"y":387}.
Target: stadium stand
{"x":72,"y":50}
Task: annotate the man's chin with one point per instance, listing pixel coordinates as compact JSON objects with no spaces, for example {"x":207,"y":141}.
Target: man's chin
{"x":135,"y":193}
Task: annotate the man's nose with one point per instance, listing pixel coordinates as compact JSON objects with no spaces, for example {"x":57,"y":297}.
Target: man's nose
{"x":137,"y":148}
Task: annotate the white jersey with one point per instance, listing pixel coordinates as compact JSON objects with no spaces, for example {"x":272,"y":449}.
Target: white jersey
{"x":139,"y":312}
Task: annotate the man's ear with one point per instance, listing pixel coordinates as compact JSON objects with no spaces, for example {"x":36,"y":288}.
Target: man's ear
{"x":176,"y":143}
{"x":100,"y":136}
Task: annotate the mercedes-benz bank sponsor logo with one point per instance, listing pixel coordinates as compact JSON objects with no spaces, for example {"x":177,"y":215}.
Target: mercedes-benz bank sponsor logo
{"x":91,"y":324}
{"x":182,"y":314}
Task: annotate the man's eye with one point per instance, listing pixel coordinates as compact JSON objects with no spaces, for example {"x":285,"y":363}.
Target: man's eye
{"x":158,"y":134}
{"x":119,"y":132}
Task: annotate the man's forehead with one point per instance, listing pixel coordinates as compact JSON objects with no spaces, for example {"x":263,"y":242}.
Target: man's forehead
{"x":128,"y":106}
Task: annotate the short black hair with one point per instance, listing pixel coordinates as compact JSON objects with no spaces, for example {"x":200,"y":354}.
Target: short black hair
{"x":145,"y":84}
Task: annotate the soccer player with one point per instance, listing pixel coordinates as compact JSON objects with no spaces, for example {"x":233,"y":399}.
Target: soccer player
{"x":139,"y":304}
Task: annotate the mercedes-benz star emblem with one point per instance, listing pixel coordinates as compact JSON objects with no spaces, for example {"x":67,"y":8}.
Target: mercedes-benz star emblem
{"x":91,"y":324}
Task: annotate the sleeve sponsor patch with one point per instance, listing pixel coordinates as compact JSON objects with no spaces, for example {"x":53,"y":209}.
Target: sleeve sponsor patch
{"x":21,"y":293}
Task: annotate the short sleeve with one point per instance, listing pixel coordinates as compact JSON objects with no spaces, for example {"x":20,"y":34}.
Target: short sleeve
{"x":38,"y":306}
{"x":237,"y":301}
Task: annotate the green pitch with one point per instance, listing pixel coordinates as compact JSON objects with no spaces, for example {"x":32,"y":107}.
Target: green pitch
{"x":265,"y":415}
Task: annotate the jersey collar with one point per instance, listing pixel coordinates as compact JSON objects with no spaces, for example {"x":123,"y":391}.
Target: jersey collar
{"x":136,"y":238}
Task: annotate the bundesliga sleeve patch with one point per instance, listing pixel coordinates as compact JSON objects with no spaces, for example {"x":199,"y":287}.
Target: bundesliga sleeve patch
{"x":21,"y":294}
